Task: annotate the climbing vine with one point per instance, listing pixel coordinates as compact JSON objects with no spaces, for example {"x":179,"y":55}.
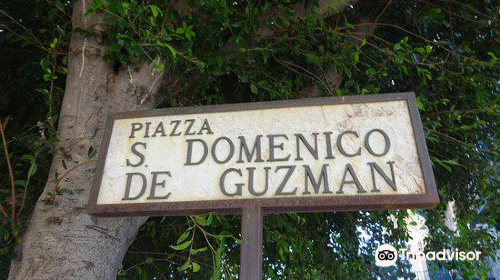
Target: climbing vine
{"x":215,"y":51}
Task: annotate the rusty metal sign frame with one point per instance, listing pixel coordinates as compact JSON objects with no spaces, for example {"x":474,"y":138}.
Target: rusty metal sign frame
{"x":253,"y":209}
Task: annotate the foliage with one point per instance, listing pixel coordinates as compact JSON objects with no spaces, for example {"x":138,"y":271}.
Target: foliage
{"x":225,"y":52}
{"x":33,"y":42}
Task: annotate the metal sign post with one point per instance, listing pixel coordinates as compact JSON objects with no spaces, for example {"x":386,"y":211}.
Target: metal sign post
{"x":251,"y":243}
{"x":322,"y":154}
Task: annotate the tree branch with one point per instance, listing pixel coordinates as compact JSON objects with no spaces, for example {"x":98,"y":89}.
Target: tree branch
{"x":325,"y":8}
{"x":11,"y":176}
{"x":332,"y":79}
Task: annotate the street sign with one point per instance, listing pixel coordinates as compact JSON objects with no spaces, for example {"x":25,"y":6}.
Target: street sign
{"x":342,"y":153}
{"x":322,"y":154}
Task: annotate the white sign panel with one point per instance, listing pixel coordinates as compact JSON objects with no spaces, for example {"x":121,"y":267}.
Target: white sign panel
{"x":279,"y":153}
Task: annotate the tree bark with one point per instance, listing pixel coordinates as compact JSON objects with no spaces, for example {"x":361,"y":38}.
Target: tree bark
{"x":62,"y":240}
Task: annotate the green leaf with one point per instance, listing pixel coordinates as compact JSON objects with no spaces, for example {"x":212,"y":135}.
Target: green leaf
{"x":347,"y":24}
{"x":59,"y":5}
{"x":97,"y":4}
{"x":239,"y":41}
{"x":254,"y":88}
{"x":196,"y":267}
{"x":54,"y":43}
{"x":428,"y":49}
{"x":33,"y":169}
{"x":181,"y":246}
{"x":91,"y":152}
{"x":371,"y":72}
{"x":159,"y":67}
{"x":196,"y":251}
{"x":189,"y":32}
{"x":420,"y":105}
{"x":20,"y":183}
{"x":200,"y":220}
{"x":421,"y":50}
{"x":217,"y":261}
{"x":183,"y":236}
{"x":185,"y":265}
{"x":210,"y":219}
{"x":169,"y":47}
{"x":155,"y":10}
{"x":442,"y":163}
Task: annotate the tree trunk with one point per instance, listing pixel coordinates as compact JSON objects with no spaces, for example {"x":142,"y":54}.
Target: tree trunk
{"x":62,"y":240}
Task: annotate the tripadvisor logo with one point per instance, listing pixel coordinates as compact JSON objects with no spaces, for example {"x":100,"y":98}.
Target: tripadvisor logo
{"x":387,"y":255}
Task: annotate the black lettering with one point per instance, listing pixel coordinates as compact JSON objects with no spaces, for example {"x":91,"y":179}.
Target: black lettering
{"x":146,"y":135}
{"x":154,"y":183}
{"x":159,"y":129}
{"x":329,"y":152}
{"x":188,"y":129}
{"x":214,"y":150}
{"x":387,"y":142}
{"x":312,"y":151}
{"x":189,"y":159}
{"x":323,"y":176}
{"x":135,"y":127}
{"x":341,"y":148}
{"x":129,"y":183}
{"x":288,"y":174}
{"x":391,"y":183}
{"x":206,"y":127}
{"x":355,"y":180}
{"x":238,"y":185}
{"x":137,"y":153}
{"x":255,"y":150}
{"x":273,"y":146}
{"x":251,"y":174}
{"x":176,"y":126}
